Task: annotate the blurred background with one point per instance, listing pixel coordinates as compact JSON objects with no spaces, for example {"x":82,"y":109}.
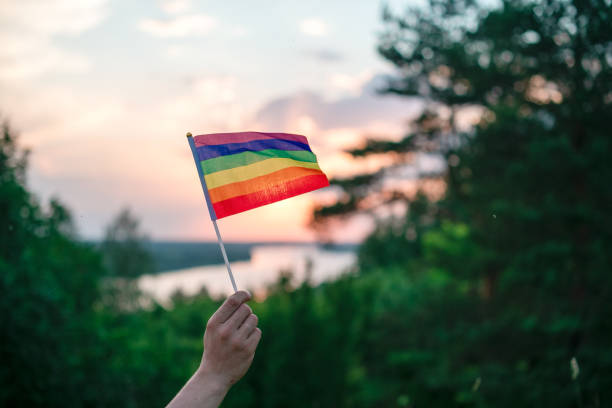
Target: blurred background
{"x":460,"y":257}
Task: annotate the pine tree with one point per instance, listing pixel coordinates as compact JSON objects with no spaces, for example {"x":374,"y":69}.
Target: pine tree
{"x":524,"y":230}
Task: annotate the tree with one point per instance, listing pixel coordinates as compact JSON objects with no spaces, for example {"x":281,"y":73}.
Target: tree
{"x":533,"y":68}
{"x":527,"y":197}
{"x":48,"y":288}
{"x":123,"y":247}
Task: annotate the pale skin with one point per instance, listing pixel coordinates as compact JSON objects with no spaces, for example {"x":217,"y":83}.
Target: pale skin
{"x":230,"y":340}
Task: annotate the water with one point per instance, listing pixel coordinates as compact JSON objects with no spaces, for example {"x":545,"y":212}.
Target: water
{"x":264,"y":268}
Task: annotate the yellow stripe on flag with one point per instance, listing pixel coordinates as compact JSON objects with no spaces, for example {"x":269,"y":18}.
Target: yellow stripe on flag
{"x":256,"y":169}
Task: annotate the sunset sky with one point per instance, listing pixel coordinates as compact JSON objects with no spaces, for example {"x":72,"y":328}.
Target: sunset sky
{"x":103,"y":93}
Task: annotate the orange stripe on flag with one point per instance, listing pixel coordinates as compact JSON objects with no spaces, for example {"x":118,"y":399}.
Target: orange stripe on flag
{"x":270,"y":195}
{"x":255,"y":184}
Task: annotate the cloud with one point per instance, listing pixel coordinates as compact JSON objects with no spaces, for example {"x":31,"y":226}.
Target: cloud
{"x":177,"y":51}
{"x":352,"y":84}
{"x":360,"y":111}
{"x":27,"y":31}
{"x":175,"y":6}
{"x":324,"y":55}
{"x":336,"y":125}
{"x":314,"y":27}
{"x":182,"y":26}
{"x":53,"y":16}
{"x":205,"y":102}
{"x":99,"y":151}
{"x":52,"y":60}
{"x":238,"y":31}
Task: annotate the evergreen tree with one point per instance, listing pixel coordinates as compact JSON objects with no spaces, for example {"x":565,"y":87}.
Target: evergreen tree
{"x":522,"y":239}
{"x":124,"y":249}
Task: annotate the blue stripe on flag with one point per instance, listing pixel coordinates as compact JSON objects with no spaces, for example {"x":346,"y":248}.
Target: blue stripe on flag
{"x":208,"y":152}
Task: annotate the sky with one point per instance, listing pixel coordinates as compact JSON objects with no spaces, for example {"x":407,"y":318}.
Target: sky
{"x":103,"y":93}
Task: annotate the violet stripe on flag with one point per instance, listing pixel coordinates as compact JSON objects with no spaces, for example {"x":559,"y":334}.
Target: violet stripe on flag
{"x":241,"y":171}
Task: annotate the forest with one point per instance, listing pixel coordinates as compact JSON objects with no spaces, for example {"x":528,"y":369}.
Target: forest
{"x":495,"y":293}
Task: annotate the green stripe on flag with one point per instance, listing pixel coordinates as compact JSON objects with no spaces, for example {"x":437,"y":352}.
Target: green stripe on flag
{"x":242,"y":159}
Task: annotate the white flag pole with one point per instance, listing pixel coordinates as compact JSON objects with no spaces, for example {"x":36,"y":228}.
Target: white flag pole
{"x":211,"y":210}
{"x":229,"y":269}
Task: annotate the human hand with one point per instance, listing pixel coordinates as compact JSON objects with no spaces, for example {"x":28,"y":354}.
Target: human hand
{"x":230,"y":341}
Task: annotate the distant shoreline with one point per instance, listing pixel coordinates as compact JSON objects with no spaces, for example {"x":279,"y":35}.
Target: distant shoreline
{"x":174,"y":255}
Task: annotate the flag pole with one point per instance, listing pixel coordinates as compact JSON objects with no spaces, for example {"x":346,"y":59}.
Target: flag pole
{"x":211,"y":210}
{"x":227,"y":264}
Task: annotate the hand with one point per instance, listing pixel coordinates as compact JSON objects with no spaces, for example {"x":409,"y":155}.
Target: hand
{"x":230,"y":341}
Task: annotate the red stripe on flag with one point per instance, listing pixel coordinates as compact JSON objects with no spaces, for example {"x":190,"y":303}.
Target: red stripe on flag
{"x":242,"y":137}
{"x":276,"y":193}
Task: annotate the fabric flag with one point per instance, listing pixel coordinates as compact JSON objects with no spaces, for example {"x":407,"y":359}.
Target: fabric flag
{"x":245,"y":170}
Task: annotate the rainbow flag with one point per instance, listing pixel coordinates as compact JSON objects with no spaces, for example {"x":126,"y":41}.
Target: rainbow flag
{"x":244,"y":170}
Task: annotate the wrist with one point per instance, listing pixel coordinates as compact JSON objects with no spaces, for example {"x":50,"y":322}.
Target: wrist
{"x":212,"y":381}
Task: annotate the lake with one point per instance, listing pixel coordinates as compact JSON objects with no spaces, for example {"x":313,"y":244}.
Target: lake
{"x":264,"y":267}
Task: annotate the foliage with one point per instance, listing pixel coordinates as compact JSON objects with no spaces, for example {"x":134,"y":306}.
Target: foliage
{"x":522,"y":237}
{"x":48,"y":287}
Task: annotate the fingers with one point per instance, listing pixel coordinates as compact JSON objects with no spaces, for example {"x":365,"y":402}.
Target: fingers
{"x":228,"y":308}
{"x":249,"y":324}
{"x":239,"y":316}
{"x":253,"y":339}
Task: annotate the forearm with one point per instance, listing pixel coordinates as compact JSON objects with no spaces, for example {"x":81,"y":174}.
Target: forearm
{"x":203,"y":390}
